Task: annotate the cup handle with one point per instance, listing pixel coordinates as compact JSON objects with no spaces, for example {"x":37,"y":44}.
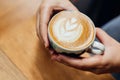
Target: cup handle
{"x":97,"y":48}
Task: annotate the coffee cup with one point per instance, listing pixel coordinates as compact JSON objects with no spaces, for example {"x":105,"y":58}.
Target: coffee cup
{"x":73,"y":32}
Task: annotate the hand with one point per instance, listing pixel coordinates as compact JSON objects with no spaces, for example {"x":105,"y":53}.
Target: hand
{"x":108,"y":62}
{"x":47,"y":8}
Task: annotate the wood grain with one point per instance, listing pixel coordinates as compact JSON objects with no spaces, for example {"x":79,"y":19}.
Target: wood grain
{"x":19,"y":41}
{"x":8,"y":71}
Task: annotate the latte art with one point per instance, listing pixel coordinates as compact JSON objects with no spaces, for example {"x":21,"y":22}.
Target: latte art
{"x":67,"y":32}
{"x":71,"y":30}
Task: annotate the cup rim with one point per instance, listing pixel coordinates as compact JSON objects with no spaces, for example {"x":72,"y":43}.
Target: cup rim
{"x":85,"y":47}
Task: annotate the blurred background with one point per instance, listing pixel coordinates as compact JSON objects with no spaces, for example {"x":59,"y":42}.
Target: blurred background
{"x":100,"y":11}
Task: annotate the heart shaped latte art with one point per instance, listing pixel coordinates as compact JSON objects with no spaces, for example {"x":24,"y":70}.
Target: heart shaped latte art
{"x":69,"y":31}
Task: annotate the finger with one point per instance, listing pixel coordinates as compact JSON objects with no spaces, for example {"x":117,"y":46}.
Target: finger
{"x":54,"y":55}
{"x":83,"y":64}
{"x":45,"y":13}
{"x":102,"y":36}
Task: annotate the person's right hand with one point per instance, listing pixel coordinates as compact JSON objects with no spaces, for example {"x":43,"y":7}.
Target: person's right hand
{"x":47,"y":9}
{"x":108,"y":62}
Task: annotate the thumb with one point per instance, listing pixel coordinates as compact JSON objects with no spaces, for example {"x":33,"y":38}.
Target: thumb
{"x":102,"y":36}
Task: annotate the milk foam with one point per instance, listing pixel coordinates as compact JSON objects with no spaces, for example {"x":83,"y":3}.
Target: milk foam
{"x":69,"y":32}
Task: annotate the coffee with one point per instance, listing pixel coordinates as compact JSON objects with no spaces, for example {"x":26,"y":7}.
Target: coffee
{"x":71,"y":30}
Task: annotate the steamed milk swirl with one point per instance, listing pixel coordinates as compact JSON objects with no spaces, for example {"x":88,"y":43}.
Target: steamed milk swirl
{"x":71,"y":30}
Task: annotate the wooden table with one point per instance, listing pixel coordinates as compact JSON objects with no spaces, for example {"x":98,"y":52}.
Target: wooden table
{"x":22,"y":54}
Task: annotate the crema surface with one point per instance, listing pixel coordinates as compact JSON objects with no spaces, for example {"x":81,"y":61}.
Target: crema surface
{"x":71,"y":30}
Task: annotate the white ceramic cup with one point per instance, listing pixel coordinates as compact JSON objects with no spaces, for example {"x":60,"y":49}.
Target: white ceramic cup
{"x":94,"y":47}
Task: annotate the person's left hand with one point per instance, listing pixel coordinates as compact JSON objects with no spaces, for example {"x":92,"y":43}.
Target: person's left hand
{"x":108,"y":62}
